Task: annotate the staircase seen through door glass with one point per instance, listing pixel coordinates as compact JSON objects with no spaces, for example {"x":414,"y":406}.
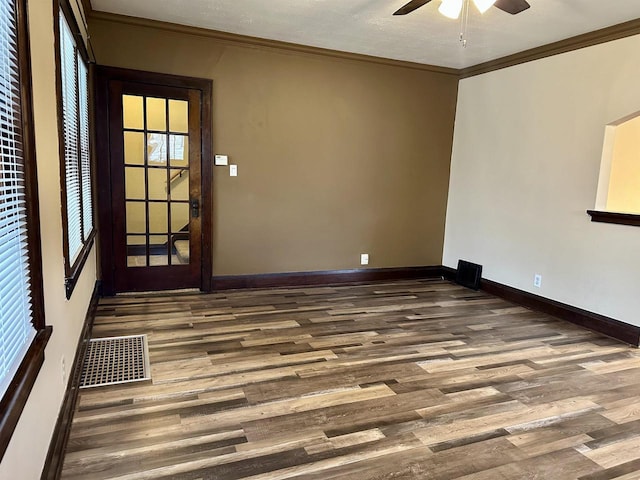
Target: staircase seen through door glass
{"x":156,"y":163}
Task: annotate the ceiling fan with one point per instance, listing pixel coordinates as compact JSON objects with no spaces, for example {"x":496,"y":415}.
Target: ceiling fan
{"x":452,"y":8}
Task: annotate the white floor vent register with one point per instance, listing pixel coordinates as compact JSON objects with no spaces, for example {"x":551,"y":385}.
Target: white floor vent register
{"x":110,"y":361}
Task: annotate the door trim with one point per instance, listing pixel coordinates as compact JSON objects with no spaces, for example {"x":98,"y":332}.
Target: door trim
{"x":103,"y":76}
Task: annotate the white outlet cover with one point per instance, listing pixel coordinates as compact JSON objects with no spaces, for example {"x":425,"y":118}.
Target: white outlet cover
{"x":364,"y":259}
{"x":233,"y":170}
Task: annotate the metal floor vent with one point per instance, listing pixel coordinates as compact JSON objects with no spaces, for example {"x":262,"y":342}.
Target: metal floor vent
{"x":469,"y":274}
{"x":114,"y":360}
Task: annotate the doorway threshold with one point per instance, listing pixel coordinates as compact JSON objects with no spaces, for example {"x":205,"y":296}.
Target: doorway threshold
{"x":159,"y":292}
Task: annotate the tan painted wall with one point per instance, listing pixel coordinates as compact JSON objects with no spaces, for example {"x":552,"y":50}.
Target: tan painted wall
{"x":336,"y":157}
{"x":27,"y":451}
{"x":524,"y":170}
{"x":624,"y":186}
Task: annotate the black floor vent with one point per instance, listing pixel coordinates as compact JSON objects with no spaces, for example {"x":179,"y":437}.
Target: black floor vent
{"x":469,"y":274}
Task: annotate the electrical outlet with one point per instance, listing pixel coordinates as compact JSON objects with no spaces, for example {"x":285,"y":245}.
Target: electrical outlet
{"x":537,"y":280}
{"x":233,"y":170}
{"x":364,"y":259}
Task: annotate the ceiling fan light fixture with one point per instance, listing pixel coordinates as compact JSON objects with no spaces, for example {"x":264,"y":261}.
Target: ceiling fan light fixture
{"x":483,"y":5}
{"x":451,"y":8}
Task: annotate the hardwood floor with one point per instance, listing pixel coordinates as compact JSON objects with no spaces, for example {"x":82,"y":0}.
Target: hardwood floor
{"x":400,"y":380}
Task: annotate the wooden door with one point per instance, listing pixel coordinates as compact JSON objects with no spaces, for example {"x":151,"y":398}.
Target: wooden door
{"x":159,"y":199}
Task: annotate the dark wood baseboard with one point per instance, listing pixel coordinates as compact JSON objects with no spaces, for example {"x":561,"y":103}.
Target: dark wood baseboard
{"x":449,"y":273}
{"x":328,"y":277}
{"x":53,"y":464}
{"x":593,"y":321}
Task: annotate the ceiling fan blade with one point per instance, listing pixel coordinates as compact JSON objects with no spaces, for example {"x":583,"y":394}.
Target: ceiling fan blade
{"x":411,"y":6}
{"x":512,"y":6}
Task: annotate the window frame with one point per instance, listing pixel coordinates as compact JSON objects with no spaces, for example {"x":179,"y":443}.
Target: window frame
{"x":17,"y":394}
{"x":604,"y":216}
{"x":602,"y":213}
{"x":73,"y":269}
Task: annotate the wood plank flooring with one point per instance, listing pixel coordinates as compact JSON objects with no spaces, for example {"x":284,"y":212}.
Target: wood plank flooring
{"x":399,"y":380}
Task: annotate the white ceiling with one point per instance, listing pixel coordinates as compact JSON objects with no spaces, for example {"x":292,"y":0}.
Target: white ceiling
{"x":369,"y":27}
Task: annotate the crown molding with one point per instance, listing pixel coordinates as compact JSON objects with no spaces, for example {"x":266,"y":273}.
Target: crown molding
{"x":244,"y":40}
{"x":604,"y":35}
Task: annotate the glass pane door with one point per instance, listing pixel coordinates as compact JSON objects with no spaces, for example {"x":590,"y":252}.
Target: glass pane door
{"x":154,"y":185}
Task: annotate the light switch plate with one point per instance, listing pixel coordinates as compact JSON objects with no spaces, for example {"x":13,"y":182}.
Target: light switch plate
{"x":233,"y":170}
{"x":222,"y":160}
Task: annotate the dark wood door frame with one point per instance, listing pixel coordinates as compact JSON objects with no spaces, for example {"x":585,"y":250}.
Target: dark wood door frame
{"x":103,"y":77}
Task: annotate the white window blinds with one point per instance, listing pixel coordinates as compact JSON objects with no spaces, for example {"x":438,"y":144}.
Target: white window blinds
{"x":16,"y":329}
{"x":85,"y":160}
{"x":77,"y":165}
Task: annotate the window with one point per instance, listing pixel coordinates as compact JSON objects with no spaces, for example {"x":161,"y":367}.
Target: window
{"x":22,"y":331}
{"x":618,"y":197}
{"x":624,"y":180}
{"x":76,"y":164}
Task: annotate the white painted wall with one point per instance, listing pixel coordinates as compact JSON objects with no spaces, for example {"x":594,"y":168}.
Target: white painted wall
{"x":27,"y":451}
{"x":525,"y":164}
